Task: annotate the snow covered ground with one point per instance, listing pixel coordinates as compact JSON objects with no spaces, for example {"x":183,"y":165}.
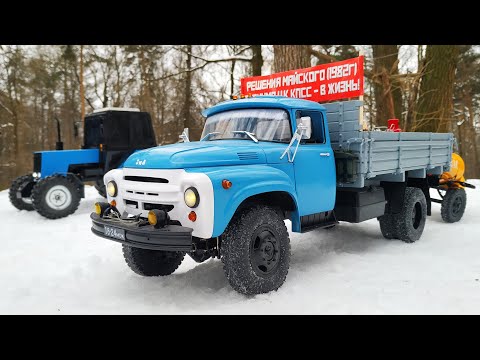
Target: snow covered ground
{"x":60,"y":267}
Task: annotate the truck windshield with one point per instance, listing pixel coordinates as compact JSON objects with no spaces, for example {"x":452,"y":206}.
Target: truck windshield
{"x":264,"y":124}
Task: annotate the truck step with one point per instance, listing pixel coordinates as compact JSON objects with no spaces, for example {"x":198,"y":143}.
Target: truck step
{"x":318,"y":220}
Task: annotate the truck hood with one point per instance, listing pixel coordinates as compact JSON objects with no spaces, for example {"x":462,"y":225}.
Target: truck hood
{"x":198,"y":154}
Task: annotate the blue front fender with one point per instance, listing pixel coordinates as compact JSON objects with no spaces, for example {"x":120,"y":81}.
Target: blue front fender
{"x":247,"y":180}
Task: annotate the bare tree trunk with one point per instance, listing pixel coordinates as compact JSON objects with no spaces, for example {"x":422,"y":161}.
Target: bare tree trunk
{"x":291,"y":57}
{"x":387,"y":91}
{"x":435,"y":102}
{"x":232,"y":77}
{"x":413,"y":91}
{"x":82,"y":89}
{"x":257,"y":60}
{"x":468,"y":141}
{"x":188,"y":121}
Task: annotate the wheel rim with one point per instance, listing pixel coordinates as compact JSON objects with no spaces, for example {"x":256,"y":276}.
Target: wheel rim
{"x":417,"y":215}
{"x":264,"y":251}
{"x":26,"y":200}
{"x":58,"y":197}
{"x":457,"y":205}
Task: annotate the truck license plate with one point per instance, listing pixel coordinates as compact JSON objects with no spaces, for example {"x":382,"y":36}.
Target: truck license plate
{"x":114,"y":232}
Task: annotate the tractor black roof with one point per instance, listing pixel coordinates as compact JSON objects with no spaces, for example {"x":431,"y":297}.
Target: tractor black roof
{"x":119,"y":130}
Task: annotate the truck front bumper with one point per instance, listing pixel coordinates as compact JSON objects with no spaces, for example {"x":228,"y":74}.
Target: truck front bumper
{"x":168,"y":238}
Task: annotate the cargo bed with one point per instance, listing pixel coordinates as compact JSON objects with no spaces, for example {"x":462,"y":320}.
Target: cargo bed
{"x":368,"y":157}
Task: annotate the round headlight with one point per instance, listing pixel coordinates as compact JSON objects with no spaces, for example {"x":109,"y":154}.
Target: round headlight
{"x":192,"y":199}
{"x":112,"y":188}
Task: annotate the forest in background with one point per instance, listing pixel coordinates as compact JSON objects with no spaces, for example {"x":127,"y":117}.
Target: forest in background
{"x":428,"y":87}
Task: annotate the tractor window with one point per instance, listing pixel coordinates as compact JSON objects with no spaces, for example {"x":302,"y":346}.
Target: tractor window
{"x":117,"y":131}
{"x":141,"y":131}
{"x":93,"y":131}
{"x":125,"y":130}
{"x":318,"y":131}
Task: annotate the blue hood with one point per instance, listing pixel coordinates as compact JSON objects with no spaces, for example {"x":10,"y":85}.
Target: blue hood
{"x":198,"y":154}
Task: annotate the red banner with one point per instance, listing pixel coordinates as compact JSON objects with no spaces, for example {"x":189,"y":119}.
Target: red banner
{"x":337,"y":80}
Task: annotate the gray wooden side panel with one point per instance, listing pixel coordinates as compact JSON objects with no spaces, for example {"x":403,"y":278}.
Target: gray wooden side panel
{"x":343,"y":122}
{"x":388,"y":153}
{"x":381,"y":153}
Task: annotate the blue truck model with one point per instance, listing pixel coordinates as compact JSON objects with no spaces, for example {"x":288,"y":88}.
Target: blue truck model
{"x":55,"y":187}
{"x":261,"y":161}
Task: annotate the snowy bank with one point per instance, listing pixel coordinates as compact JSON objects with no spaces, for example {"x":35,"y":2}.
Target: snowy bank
{"x":60,"y":267}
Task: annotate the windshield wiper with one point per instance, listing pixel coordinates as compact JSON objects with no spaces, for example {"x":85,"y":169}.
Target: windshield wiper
{"x":210,"y":134}
{"x":250,"y":135}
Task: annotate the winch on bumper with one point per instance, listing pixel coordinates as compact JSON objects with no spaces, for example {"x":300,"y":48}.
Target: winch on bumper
{"x":141,"y":234}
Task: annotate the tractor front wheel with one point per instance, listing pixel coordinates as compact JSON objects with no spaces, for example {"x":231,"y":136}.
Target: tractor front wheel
{"x":56,"y":197}
{"x":20,"y":192}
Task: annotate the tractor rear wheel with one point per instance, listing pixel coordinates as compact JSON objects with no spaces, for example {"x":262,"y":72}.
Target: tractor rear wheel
{"x":56,"y":197}
{"x":20,"y":192}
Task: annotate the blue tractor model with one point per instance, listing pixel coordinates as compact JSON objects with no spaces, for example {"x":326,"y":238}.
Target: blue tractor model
{"x":55,"y":187}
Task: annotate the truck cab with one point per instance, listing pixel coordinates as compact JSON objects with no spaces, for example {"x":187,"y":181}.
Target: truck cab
{"x":262,"y":161}
{"x":253,"y":165}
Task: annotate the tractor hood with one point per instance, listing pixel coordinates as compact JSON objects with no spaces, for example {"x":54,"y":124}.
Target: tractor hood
{"x":198,"y":154}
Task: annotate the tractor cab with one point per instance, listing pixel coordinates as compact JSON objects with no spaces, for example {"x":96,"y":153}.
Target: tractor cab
{"x":56,"y":185}
{"x":118,"y":132}
{"x":118,"y":128}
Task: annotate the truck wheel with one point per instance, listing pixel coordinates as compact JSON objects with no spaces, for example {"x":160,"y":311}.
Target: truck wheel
{"x":410,"y":222}
{"x":387,"y":226}
{"x":453,"y":205}
{"x":255,"y":251}
{"x":152,"y":262}
{"x":55,"y":197}
{"x":20,"y":192}
{"x":100,"y":186}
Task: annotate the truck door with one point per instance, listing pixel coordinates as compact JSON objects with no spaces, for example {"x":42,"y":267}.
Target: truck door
{"x":314,"y":166}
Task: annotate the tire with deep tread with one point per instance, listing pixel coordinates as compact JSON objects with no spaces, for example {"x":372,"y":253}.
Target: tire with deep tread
{"x":40,"y":191}
{"x":100,"y":186}
{"x":453,"y":205}
{"x":387,"y":226}
{"x":15,"y":196}
{"x":152,"y":262}
{"x":410,"y":222}
{"x":237,"y":255}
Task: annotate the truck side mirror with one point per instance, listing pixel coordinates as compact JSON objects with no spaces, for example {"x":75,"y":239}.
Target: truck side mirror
{"x":304,"y":131}
{"x":184,"y":135}
{"x":306,"y":126}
